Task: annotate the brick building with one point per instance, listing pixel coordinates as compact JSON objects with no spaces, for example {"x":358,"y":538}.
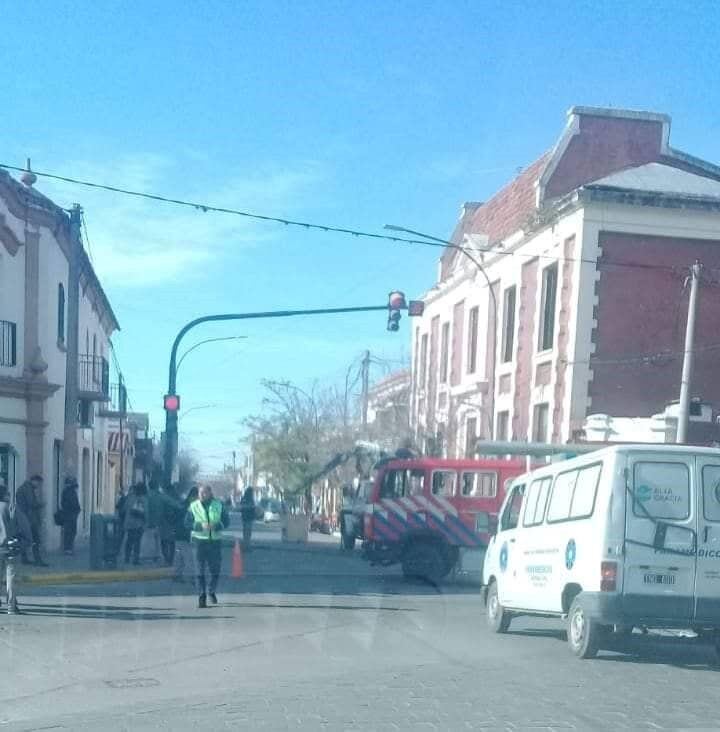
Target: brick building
{"x":587,"y":252}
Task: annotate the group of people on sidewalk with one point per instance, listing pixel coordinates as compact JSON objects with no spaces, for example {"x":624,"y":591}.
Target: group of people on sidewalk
{"x":21,"y":528}
{"x":179,"y":524}
{"x":185,"y":530}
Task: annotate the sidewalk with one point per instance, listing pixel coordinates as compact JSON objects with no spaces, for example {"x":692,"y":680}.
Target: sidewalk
{"x":63,"y":567}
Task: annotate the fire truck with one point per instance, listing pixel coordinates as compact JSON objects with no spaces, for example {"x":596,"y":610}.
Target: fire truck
{"x":432,"y":515}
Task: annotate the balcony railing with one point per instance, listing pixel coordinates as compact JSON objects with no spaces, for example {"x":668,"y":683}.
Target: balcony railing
{"x":8,"y":343}
{"x":93,"y":378}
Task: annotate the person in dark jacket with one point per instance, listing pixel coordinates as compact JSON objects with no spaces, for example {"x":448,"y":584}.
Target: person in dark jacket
{"x":183,"y":557}
{"x":120,"y":516}
{"x":173,"y":510}
{"x":70,"y":510}
{"x":135,"y":521}
{"x":247,"y":514}
{"x":29,"y":506}
{"x":8,"y":548}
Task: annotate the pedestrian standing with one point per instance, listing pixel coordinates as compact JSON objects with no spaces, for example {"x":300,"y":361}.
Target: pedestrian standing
{"x":182,"y":537}
{"x":172,"y":511}
{"x":120,"y":517}
{"x":154,"y":518}
{"x":206,"y":519}
{"x":135,"y":521}
{"x":70,"y":510}
{"x":9,"y":547}
{"x":247,"y":514}
{"x":29,"y":501}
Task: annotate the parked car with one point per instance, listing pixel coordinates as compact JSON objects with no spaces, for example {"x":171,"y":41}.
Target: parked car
{"x":271,"y":512}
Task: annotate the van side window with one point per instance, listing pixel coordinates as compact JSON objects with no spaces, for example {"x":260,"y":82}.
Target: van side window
{"x":479,"y":485}
{"x":573,"y":494}
{"x":559,"y":509}
{"x":443,"y":482}
{"x":511,"y":514}
{"x":583,"y":502}
{"x":662,"y":490}
{"x":711,"y":492}
{"x":536,"y":501}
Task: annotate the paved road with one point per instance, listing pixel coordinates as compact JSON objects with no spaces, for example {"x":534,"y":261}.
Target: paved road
{"x":315,"y":639}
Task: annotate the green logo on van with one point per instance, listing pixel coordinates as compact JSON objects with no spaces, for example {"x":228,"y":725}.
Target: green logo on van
{"x":643,"y":493}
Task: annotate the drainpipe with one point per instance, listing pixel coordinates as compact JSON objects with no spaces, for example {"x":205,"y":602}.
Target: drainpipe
{"x":72,"y":359}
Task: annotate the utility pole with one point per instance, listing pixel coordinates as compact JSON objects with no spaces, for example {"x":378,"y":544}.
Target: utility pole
{"x":365,"y":371}
{"x":122,"y":405}
{"x":689,"y":356}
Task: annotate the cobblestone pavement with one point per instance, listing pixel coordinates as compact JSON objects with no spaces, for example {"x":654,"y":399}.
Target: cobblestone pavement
{"x":316,"y":639}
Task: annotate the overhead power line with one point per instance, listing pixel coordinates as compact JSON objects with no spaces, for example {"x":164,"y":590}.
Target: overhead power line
{"x":327,"y":228}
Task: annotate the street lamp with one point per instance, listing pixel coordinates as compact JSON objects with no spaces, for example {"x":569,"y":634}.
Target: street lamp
{"x":493,"y":300}
{"x":200,"y":343}
{"x":193,"y":409}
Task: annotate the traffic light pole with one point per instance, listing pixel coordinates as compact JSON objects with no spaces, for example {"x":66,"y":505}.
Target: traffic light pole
{"x":171,"y":416}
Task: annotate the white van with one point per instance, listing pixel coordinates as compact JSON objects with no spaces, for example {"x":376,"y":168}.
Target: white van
{"x":624,"y":537}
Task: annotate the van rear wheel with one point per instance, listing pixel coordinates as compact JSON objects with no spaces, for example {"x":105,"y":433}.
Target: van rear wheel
{"x":424,"y":560}
{"x":584,"y":634}
{"x":498,"y":617}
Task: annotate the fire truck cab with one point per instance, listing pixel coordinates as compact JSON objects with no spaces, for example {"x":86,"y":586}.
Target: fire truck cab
{"x":431,"y":514}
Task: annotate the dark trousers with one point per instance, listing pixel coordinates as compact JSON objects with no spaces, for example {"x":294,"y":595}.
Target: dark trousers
{"x":69,"y":532}
{"x":247,"y":533}
{"x":133,"y":538}
{"x":36,"y":543}
{"x":207,"y":556}
{"x":167,"y":547}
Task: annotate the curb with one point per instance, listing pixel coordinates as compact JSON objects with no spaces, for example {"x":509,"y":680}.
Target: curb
{"x":97,"y":577}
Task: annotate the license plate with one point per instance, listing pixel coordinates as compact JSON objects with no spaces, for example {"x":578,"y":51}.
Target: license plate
{"x":659,"y":579}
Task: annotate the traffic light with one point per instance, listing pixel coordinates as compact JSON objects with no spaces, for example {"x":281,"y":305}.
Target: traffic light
{"x":171,"y":402}
{"x":396,"y":303}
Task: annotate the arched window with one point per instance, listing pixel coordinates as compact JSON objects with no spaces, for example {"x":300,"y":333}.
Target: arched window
{"x":61,"y":313}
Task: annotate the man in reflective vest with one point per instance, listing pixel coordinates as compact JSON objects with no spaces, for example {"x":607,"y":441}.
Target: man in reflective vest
{"x":206,"y":518}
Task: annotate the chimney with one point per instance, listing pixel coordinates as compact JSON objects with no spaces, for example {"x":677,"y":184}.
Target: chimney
{"x":469,"y":208}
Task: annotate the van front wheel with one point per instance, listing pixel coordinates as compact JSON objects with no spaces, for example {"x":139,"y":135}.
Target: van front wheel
{"x":498,"y":617}
{"x":584,"y":634}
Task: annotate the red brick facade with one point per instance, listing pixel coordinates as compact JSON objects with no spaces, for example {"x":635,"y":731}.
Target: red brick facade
{"x":642,"y":311}
{"x":602,"y":146}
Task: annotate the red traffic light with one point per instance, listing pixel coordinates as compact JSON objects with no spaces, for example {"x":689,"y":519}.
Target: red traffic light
{"x":416,"y":307}
{"x":171,"y":402}
{"x":396,"y":300}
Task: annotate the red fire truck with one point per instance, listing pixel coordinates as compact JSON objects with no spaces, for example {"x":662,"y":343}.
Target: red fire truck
{"x":428,"y":513}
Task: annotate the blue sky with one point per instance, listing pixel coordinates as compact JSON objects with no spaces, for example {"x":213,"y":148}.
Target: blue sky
{"x":347,"y":113}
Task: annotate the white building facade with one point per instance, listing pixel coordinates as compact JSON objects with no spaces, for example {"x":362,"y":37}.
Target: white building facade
{"x":55,"y":329}
{"x":583,"y":256}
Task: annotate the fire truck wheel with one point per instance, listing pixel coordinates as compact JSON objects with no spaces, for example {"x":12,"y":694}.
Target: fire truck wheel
{"x":498,"y":617}
{"x":424,"y":560}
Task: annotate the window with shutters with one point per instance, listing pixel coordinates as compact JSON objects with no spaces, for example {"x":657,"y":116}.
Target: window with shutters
{"x":547,"y":307}
{"x":444,"y":352}
{"x":508,"y":331}
{"x":472,"y":340}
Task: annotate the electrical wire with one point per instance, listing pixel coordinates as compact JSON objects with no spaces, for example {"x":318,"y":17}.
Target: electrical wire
{"x":646,"y":358}
{"x":86,"y":236}
{"x":327,"y":228}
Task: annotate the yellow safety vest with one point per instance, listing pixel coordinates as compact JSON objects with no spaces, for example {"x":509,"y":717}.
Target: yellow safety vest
{"x":202,"y":515}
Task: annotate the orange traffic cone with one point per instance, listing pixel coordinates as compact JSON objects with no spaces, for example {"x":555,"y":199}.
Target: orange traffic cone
{"x":237,"y":562}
